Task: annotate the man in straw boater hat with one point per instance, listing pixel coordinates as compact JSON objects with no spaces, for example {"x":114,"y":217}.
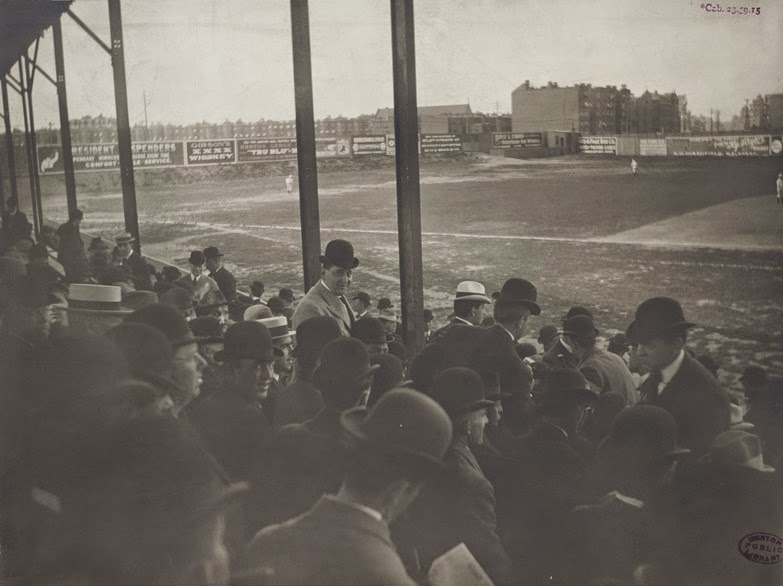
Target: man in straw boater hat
{"x":515,"y":304}
{"x":459,"y":507}
{"x":677,"y":382}
{"x":630,"y":525}
{"x":470,"y":301}
{"x":133,"y":262}
{"x":283,"y":340}
{"x":398,"y":446}
{"x":607,"y":372}
{"x":327,"y":296}
{"x":554,"y":458}
{"x":95,"y":309}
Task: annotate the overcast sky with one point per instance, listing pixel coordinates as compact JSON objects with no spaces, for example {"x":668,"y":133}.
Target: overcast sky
{"x":228,"y":59}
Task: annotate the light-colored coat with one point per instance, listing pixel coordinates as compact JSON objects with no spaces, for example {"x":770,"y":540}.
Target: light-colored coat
{"x":203,"y":285}
{"x":321,"y":301}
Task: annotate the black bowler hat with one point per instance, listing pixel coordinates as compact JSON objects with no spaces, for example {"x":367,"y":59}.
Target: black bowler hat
{"x":577,"y":310}
{"x":370,"y":331}
{"x":169,"y":320}
{"x":342,"y":370}
{"x":196,"y":258}
{"x":459,"y":390}
{"x":212,"y":252}
{"x":362,"y":296}
{"x":520,"y":292}
{"x":547,"y":333}
{"x":208,"y":328}
{"x":580,"y":326}
{"x":405,"y":427}
{"x":314,"y":333}
{"x":652,"y":430}
{"x":561,"y":384}
{"x":248,"y":339}
{"x":340,"y":253}
{"x":657,"y":316}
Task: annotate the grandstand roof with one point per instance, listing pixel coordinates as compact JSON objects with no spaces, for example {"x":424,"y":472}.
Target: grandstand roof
{"x":21,"y":22}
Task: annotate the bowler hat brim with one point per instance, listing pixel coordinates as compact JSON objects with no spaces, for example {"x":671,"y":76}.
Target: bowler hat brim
{"x":473,"y":407}
{"x":342,"y":264}
{"x":637,"y":333}
{"x":414,"y":460}
{"x":535,"y":308}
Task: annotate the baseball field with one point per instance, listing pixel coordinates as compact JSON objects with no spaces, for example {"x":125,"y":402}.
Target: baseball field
{"x":585,"y":230}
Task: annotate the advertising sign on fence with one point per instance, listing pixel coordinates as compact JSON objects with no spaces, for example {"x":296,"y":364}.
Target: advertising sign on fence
{"x":332,"y":147}
{"x":598,"y":145}
{"x":718,"y":146}
{"x":94,"y":157}
{"x":202,"y":152}
{"x":369,"y":145}
{"x":265,"y":149}
{"x":440,"y":143}
{"x":652,"y":147}
{"x":776,"y":145}
{"x":515,"y":140}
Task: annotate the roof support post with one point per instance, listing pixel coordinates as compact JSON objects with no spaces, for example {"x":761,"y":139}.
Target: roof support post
{"x":407,"y":159}
{"x":65,"y":125}
{"x":9,"y":141}
{"x":305,"y":141}
{"x":28,"y":141}
{"x":123,"y":124}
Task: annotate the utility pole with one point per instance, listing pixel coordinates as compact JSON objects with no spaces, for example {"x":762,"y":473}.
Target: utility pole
{"x":146,"y":126}
{"x":717,"y":120}
{"x":747,"y":115}
{"x":711,"y":119}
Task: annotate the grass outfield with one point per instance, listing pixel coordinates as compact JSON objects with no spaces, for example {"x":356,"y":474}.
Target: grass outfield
{"x":584,"y":230}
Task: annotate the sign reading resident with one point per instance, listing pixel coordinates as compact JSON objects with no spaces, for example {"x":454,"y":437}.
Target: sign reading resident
{"x":99,"y":156}
{"x":718,"y":146}
{"x":204,"y":152}
{"x":515,"y":140}
{"x":440,"y":143}
{"x":265,"y":149}
{"x":369,"y":145}
{"x":598,"y":145}
{"x":652,"y":147}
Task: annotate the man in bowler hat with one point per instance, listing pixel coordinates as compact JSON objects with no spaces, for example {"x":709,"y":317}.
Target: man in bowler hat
{"x":70,"y":252}
{"x":197,"y":280}
{"x":677,"y":381}
{"x":515,"y":305}
{"x":344,"y":538}
{"x":361,"y":304}
{"x":327,"y":296}
{"x":560,"y":354}
{"x":134,"y":263}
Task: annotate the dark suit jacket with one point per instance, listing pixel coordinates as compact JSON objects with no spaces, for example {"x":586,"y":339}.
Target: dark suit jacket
{"x":459,"y":507}
{"x":226,"y":282}
{"x":141,"y":271}
{"x":696,"y":401}
{"x":558,"y":356}
{"x":297,"y":403}
{"x":70,"y":252}
{"x":320,"y":301}
{"x":331,"y":544}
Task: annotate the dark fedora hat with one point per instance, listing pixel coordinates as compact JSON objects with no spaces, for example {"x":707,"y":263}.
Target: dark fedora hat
{"x":286,"y":294}
{"x":492,"y":388}
{"x":362,"y":296}
{"x":145,"y":347}
{"x":577,"y":310}
{"x":560,"y":384}
{"x":405,"y":427}
{"x":340,"y":253}
{"x":657,"y":316}
{"x":344,"y":362}
{"x":196,"y":258}
{"x":314,"y":333}
{"x":580,"y":326}
{"x":618,"y":343}
{"x":208,"y":328}
{"x":737,"y":448}
{"x":389,"y":375}
{"x":384,"y":303}
{"x":169,"y":320}
{"x":649,"y":428}
{"x":248,"y":339}
{"x":275,"y":304}
{"x":520,"y":292}
{"x":212,"y":252}
{"x":459,"y":390}
{"x":547,"y":333}
{"x":370,"y":331}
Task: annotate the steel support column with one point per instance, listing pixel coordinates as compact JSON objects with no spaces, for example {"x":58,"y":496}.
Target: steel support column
{"x":30,"y":70}
{"x":28,"y":145}
{"x":305,"y":141}
{"x":9,"y":141}
{"x":65,"y":125}
{"x":406,"y":126}
{"x":123,"y":124}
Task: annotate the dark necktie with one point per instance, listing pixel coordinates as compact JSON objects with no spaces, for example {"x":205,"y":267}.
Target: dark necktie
{"x":348,"y":309}
{"x":649,"y":390}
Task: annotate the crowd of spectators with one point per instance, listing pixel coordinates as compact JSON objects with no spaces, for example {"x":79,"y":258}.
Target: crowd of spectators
{"x":161,"y":427}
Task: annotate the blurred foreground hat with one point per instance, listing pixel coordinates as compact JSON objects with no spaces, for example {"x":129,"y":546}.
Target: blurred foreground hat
{"x":257,"y":311}
{"x":649,"y":428}
{"x":520,"y":292}
{"x":388,"y":376}
{"x":362,"y":296}
{"x":90,"y":298}
{"x":146,"y":348}
{"x":340,"y":253}
{"x":344,"y":363}
{"x":177,"y":297}
{"x":737,"y":448}
{"x":658,"y":316}
{"x":370,"y":331}
{"x":248,"y":339}
{"x":406,"y":427}
{"x":208,"y":328}
{"x":314,"y":333}
{"x":471,"y":291}
{"x":168,"y":320}
{"x":547,"y":334}
{"x":277,"y":326}
{"x":580,"y":326}
{"x":560,"y":384}
{"x":618,"y":343}
{"x":459,"y":390}
{"x":275,"y":304}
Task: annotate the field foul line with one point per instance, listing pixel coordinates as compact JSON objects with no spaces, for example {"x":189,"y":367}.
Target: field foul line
{"x":239,"y":229}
